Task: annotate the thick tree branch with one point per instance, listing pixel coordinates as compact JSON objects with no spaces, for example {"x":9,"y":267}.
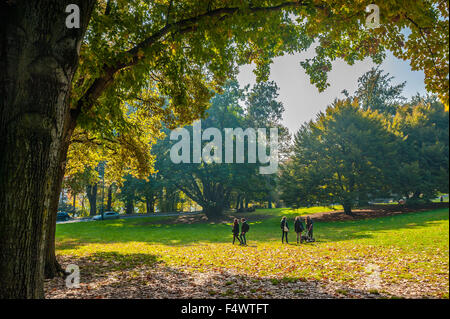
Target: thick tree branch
{"x":183,"y":26}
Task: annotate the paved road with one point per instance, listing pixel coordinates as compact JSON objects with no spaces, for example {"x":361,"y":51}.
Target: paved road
{"x":89,"y":219}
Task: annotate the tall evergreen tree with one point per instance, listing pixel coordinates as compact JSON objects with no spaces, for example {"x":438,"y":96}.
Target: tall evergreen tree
{"x":344,"y":156}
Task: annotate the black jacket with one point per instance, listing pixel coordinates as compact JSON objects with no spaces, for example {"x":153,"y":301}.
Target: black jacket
{"x":245,"y":227}
{"x":235,"y":229}
{"x":284,"y":223}
{"x":299,"y":226}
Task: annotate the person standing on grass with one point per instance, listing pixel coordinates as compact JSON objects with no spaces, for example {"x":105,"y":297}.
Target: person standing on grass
{"x":236,"y":231}
{"x":299,"y":228}
{"x":244,"y":229}
{"x":309,"y":227}
{"x":284,"y":229}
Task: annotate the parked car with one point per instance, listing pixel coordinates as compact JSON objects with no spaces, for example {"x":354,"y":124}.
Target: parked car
{"x":107,"y":215}
{"x":62,"y":216}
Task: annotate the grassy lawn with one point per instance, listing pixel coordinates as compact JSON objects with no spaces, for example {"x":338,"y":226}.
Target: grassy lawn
{"x":409,"y":253}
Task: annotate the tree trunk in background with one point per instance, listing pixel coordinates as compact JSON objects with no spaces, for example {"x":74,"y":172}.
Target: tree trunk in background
{"x":82,"y":204}
{"x":213,"y":211}
{"x":129,"y":207}
{"x":241,"y":205}
{"x":38,"y":57}
{"x":238,"y":201}
{"x":109,"y":201}
{"x":74,"y":201}
{"x":91,"y":192}
{"x":347,"y":207}
{"x":150,"y":203}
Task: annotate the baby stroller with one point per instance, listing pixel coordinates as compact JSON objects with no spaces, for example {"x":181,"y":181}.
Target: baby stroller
{"x":307,"y":238}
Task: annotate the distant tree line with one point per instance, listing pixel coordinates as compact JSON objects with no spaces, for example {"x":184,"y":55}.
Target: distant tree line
{"x":374,"y":144}
{"x":214,"y":187}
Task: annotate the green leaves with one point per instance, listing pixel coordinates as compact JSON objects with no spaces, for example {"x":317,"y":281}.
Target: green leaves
{"x":168,"y":58}
{"x":344,"y":156}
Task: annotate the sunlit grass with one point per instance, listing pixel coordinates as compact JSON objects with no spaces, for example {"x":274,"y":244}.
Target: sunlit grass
{"x":409,"y":247}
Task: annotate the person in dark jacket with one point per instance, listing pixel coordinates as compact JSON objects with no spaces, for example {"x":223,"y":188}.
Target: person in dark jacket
{"x":244,"y":229}
{"x":309,"y":227}
{"x":284,"y":230}
{"x":236,"y":231}
{"x":299,"y":228}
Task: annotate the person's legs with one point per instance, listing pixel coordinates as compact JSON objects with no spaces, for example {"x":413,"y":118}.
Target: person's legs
{"x":245,"y":239}
{"x":298,"y":236}
{"x":283,"y":235}
{"x":242,"y":238}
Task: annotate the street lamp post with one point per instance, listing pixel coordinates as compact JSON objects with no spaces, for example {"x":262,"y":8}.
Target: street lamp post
{"x":103,"y":186}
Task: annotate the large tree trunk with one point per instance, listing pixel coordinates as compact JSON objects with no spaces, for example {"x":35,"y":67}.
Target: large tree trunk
{"x":38,"y":57}
{"x":52,"y":267}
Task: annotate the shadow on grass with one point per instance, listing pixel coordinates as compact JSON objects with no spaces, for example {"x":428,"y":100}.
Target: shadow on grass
{"x":363,"y":229}
{"x":114,"y":275}
{"x":106,"y":262}
{"x":72,"y":236}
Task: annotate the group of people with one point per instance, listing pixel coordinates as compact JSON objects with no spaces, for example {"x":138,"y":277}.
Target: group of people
{"x":299,"y":229}
{"x":239,"y":231}
{"x":240,"y":235}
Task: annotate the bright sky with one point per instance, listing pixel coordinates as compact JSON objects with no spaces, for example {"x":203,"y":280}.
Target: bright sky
{"x":303,"y":101}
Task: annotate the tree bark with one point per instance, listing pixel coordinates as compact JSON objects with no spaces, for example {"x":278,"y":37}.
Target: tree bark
{"x":38,"y":58}
{"x":52,"y":267}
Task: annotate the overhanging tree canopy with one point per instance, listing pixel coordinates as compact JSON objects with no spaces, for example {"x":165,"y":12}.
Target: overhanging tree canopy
{"x":170,"y":55}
